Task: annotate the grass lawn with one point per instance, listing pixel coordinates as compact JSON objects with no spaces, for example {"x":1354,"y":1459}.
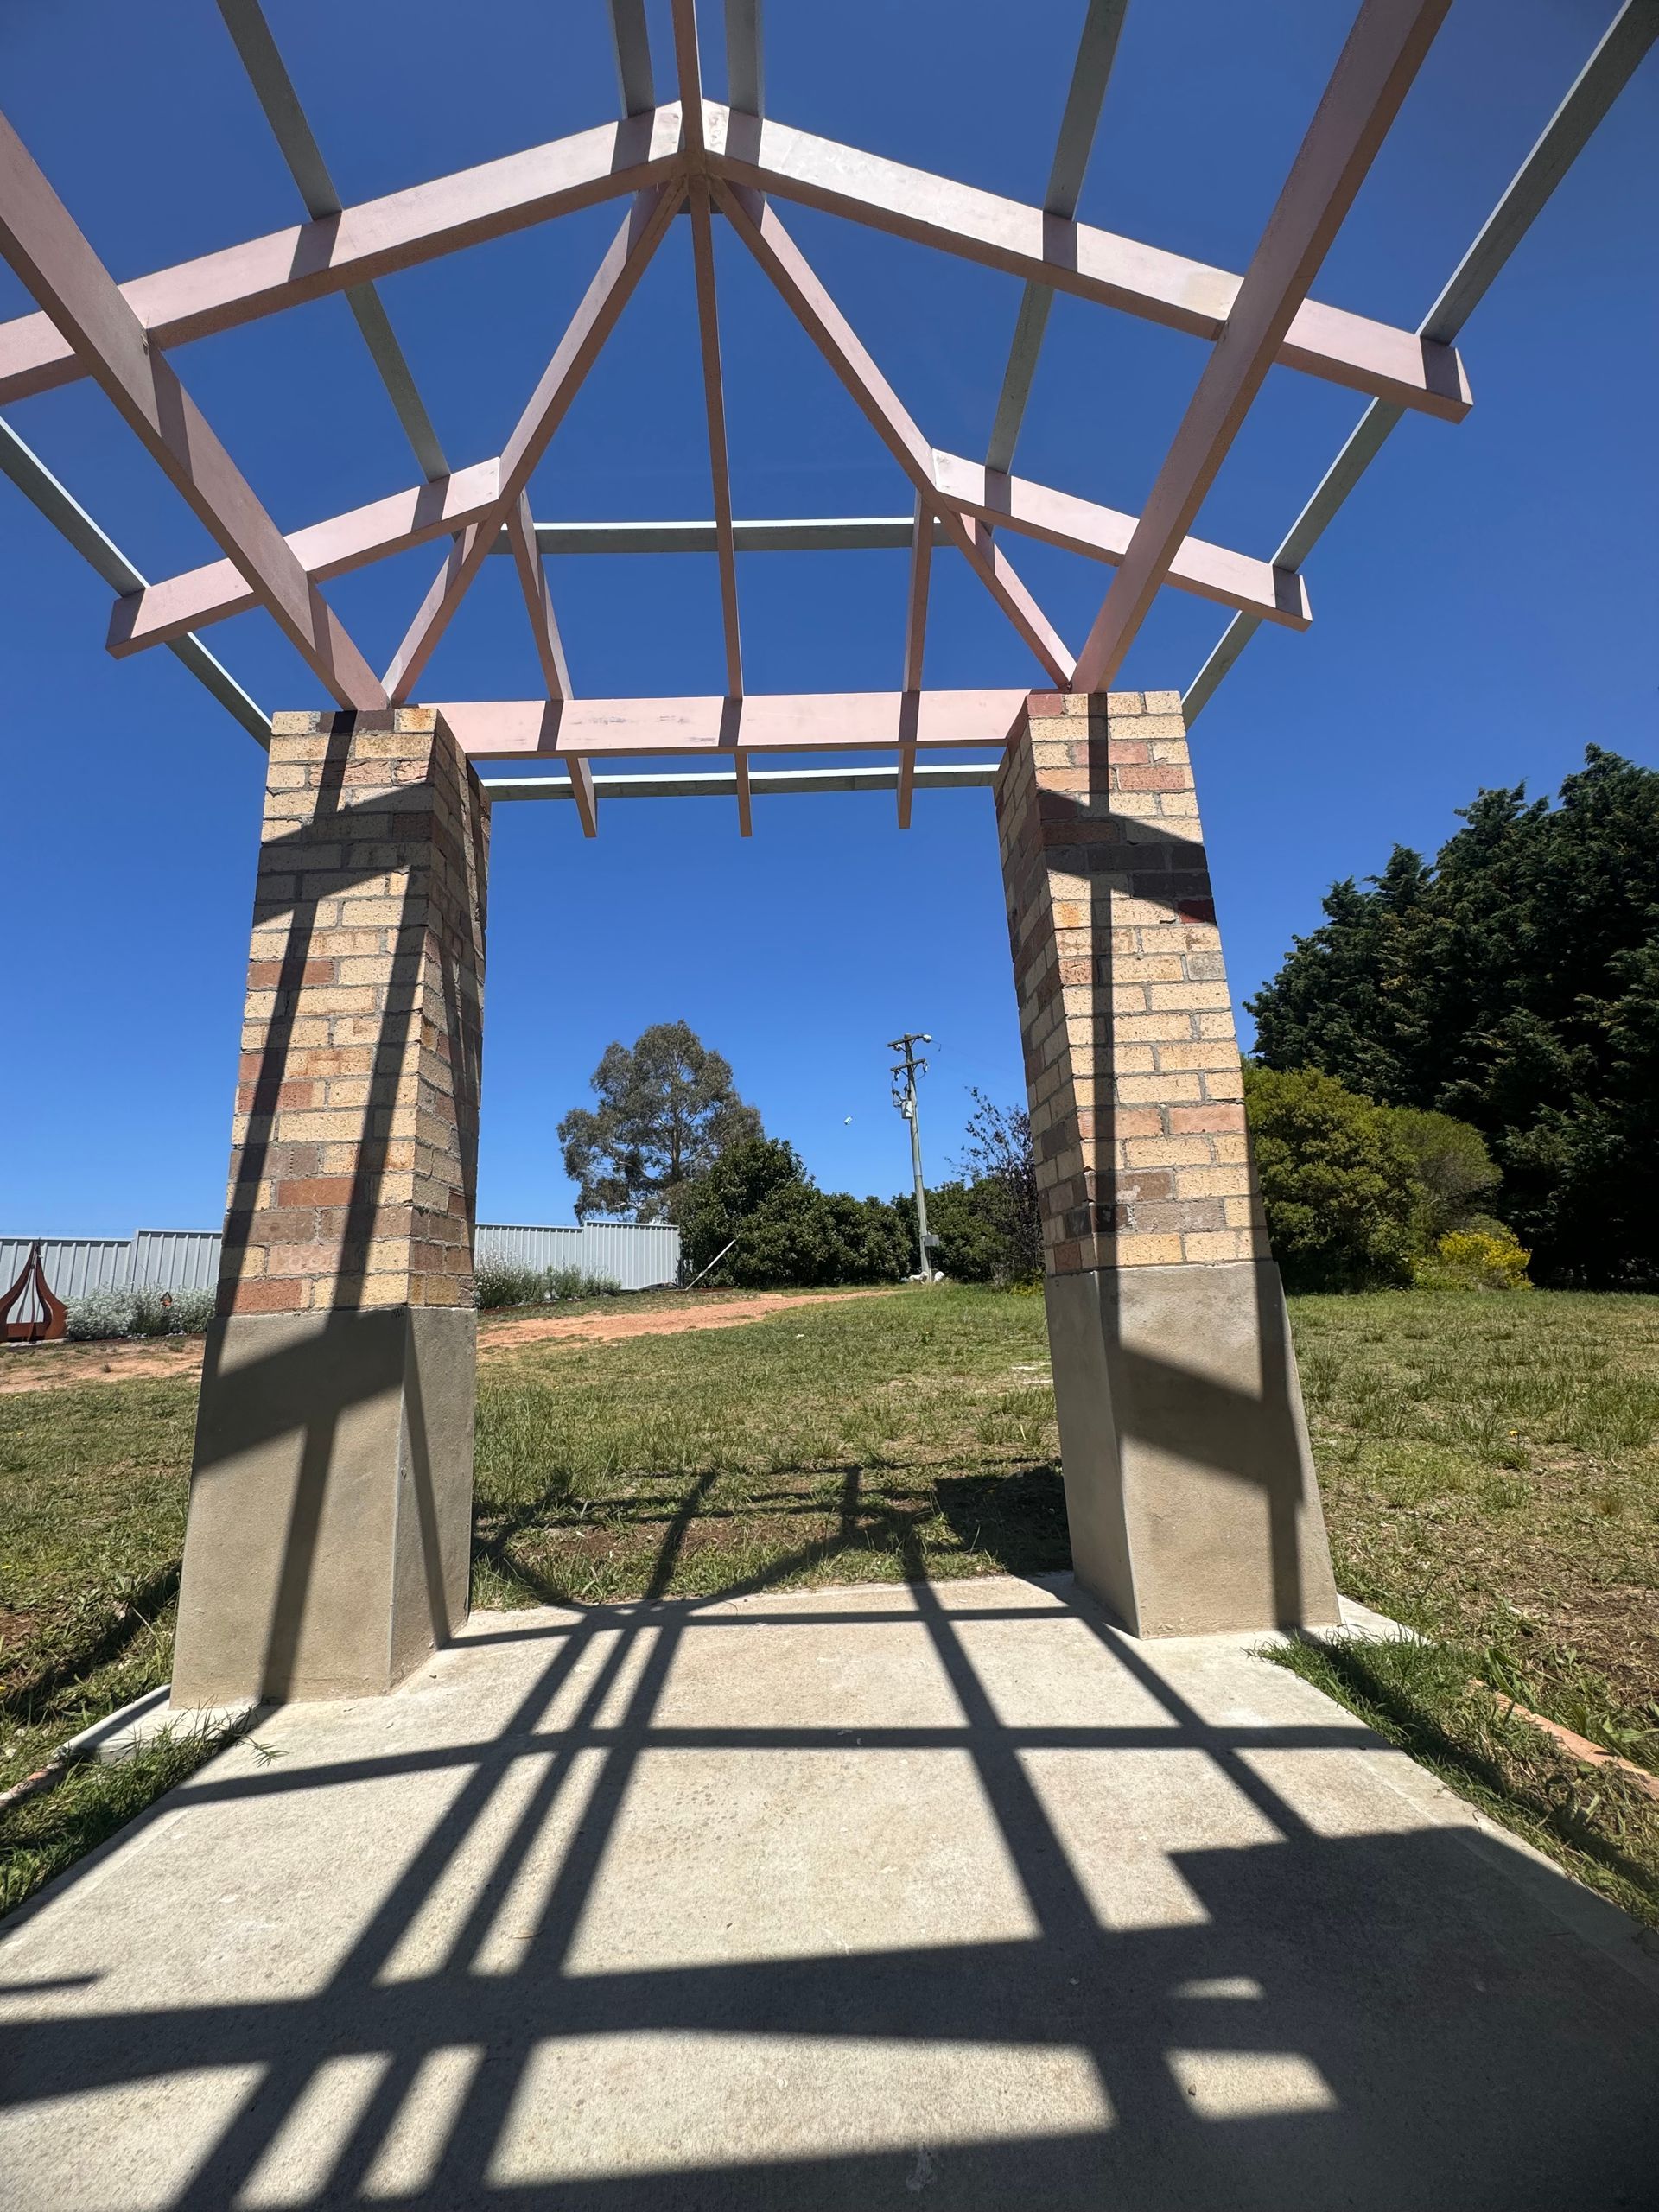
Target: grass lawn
{"x":1489,"y":1467}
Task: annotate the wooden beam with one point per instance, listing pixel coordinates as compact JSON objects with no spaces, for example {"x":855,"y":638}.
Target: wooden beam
{"x":761,"y":230}
{"x":921,"y":566}
{"x":631,"y":38}
{"x":165,"y":610}
{"x":1622,"y":46}
{"x":274,"y":90}
{"x":582,"y":790}
{"x":1275,"y":594}
{"x":703,"y":258}
{"x":223,"y":290}
{"x":1069,"y":257}
{"x":1374,"y":72}
{"x":814,"y":721}
{"x":1103,"y":26}
{"x":45,"y":247}
{"x":538,"y":601}
{"x":603,"y":301}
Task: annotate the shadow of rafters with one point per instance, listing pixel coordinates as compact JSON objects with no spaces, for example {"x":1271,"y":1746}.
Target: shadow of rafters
{"x":1245,"y":2049}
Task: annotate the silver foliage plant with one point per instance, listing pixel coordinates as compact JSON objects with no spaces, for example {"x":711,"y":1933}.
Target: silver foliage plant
{"x":123,"y":1311}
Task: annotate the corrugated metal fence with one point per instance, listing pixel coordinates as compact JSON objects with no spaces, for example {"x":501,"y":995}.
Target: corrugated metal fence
{"x":635,"y":1254}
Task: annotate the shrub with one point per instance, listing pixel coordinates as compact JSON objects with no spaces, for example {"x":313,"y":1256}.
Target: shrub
{"x":497,"y":1283}
{"x":1336,"y":1182}
{"x":711,"y":1208}
{"x":128,"y":1311}
{"x":978,"y":1240}
{"x":802,"y":1235}
{"x":1451,"y":1168}
{"x":103,"y":1312}
{"x":192,"y":1311}
{"x":1487,"y":1255}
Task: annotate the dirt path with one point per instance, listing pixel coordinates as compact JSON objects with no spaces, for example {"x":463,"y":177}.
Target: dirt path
{"x":67,"y":1367}
{"x":604,"y":1325}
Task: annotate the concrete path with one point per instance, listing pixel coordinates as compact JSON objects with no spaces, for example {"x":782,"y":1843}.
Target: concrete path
{"x":882,"y":1897}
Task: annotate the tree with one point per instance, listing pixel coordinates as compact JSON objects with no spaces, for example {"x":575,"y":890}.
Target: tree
{"x":712,"y":1207}
{"x":967,"y":1218}
{"x":1002,"y":1167}
{"x":757,"y":1197}
{"x":1451,"y":1167}
{"x":1515,"y":986}
{"x":1336,"y":1182}
{"x":667,"y":1110}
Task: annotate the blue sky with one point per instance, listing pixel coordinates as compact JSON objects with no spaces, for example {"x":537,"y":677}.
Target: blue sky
{"x":1483,"y":608}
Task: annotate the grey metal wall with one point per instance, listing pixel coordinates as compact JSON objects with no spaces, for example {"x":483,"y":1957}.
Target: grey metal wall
{"x":73,"y":1265}
{"x":175,"y":1258}
{"x":638,"y":1254}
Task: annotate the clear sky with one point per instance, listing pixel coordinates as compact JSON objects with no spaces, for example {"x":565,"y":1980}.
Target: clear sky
{"x":1483,"y":608}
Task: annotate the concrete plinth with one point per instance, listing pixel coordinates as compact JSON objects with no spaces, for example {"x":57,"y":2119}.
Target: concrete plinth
{"x":327,"y":1546}
{"x":329,"y":1553}
{"x":1189,"y":1485}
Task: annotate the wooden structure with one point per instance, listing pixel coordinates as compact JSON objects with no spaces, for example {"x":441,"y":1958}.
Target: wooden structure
{"x":333,"y":1457}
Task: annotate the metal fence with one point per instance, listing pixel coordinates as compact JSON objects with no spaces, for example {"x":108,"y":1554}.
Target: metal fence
{"x":638,"y":1254}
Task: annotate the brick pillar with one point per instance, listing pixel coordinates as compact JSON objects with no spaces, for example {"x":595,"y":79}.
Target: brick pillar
{"x":1189,"y":1484}
{"x":329,"y":1536}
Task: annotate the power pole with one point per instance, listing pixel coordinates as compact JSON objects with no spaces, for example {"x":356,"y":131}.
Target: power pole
{"x":904,"y":1097}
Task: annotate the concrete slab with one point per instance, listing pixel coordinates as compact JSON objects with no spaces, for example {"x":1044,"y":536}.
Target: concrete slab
{"x":833,"y":1898}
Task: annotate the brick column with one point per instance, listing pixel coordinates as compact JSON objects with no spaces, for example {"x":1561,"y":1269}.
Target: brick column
{"x":1190,"y":1488}
{"x":329,"y":1536}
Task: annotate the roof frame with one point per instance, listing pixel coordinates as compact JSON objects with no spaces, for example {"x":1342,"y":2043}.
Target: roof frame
{"x":707,"y":158}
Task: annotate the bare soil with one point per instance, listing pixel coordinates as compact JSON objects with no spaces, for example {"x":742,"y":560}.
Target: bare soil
{"x":154,"y":1359}
{"x":605,"y":1324}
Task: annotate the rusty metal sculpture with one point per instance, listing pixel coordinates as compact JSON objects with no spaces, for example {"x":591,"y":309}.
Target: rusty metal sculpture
{"x":52,"y":1321}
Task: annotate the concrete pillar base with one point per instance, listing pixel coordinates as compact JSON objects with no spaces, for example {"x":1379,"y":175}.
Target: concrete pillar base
{"x":330,"y":1528}
{"x":1189,"y":1484}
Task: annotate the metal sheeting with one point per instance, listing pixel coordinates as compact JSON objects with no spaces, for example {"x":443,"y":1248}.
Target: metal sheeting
{"x":175,"y":1258}
{"x":638,"y":1254}
{"x":73,"y":1265}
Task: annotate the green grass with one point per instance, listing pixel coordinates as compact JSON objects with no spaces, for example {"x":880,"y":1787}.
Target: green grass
{"x":92,"y":1482}
{"x":1491,"y":1479}
{"x":44,"y":1834}
{"x":1488,"y":1464}
{"x":862,"y":1441}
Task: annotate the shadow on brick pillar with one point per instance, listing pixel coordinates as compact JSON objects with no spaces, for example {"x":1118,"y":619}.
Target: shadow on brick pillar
{"x":1189,"y":1484}
{"x":329,"y":1545}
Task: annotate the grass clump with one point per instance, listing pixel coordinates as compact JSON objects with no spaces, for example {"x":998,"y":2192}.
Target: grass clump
{"x":1426,"y":1697}
{"x":41,"y":1836}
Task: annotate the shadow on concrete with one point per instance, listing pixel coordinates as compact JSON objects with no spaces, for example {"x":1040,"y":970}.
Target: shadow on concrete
{"x":1356,"y":2019}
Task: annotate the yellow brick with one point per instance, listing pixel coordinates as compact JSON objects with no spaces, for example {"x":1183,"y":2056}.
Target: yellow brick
{"x":1189,"y":997}
{"x":1158,"y":1089}
{"x":1164,"y":1152}
{"x":1212,"y":1245}
{"x":1147,"y":1251}
{"x":1228,"y":1183}
{"x":1163,"y":1029}
{"x":1207,"y":1052}
{"x":1145,"y":967}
